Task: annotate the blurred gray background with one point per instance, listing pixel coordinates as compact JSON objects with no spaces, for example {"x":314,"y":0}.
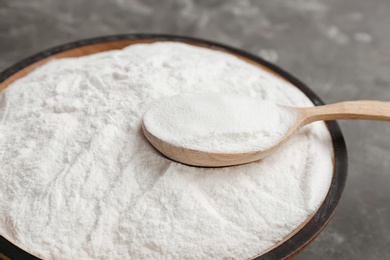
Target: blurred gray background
{"x":340,"y":48}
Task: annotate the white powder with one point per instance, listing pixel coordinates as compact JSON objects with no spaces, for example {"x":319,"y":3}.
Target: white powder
{"x":216,"y":122}
{"x":78,"y":180}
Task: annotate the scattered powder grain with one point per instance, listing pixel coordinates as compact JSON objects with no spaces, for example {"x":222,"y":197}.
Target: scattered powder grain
{"x":216,"y":122}
{"x":78,"y":180}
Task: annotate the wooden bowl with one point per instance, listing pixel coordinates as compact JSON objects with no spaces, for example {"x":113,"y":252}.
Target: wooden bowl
{"x":292,"y":244}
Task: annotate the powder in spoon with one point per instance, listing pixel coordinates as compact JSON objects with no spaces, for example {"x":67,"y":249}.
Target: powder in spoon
{"x":218,"y":122}
{"x":78,"y":179}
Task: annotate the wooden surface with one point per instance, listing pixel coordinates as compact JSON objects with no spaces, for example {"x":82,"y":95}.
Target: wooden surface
{"x":3,"y":257}
{"x":313,"y":224}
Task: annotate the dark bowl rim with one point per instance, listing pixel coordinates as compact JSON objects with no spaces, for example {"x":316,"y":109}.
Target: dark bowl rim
{"x":304,"y":236}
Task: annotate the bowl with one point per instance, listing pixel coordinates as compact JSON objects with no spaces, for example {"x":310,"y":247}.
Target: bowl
{"x":289,"y":246}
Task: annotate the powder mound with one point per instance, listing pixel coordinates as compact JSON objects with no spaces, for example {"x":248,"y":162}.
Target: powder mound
{"x":217,"y":122}
{"x":78,"y":179}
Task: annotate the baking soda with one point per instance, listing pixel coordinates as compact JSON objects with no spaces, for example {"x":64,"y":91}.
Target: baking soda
{"x":78,"y":179}
{"x":216,"y":122}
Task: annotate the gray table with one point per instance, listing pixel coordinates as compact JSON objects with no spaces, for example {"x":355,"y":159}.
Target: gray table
{"x":340,"y":48}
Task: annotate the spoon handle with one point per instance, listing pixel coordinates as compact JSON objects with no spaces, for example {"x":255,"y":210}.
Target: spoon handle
{"x":364,"y":109}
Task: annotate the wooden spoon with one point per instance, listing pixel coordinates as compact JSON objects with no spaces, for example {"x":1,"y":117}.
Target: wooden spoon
{"x":365,"y":110}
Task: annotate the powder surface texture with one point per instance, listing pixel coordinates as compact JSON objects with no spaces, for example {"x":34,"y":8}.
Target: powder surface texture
{"x":216,"y":122}
{"x":78,"y":179}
